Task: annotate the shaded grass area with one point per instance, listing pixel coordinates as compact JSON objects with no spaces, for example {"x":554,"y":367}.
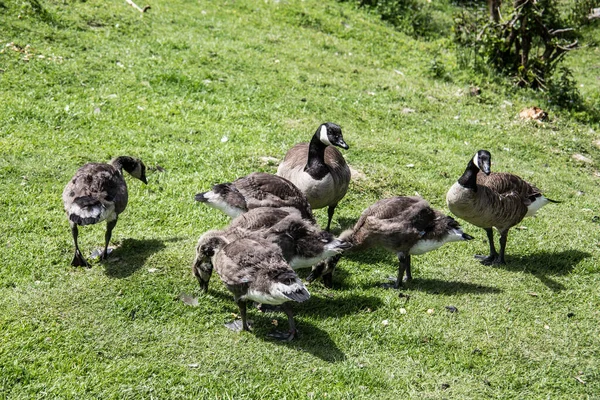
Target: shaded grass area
{"x":204,"y":91}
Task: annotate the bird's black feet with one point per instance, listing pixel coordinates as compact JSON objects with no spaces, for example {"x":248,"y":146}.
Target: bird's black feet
{"x":238,"y":326}
{"x":393,"y":284}
{"x":79,"y":261}
{"x":101,"y":254}
{"x":489,"y":260}
{"x":283,"y":336}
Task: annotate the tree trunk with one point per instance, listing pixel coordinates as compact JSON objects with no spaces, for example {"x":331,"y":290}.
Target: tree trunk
{"x":494,"y":6}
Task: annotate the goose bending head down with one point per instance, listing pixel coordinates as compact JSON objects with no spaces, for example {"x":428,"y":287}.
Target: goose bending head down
{"x":254,"y":269}
{"x":98,"y":193}
{"x":257,"y":189}
{"x":404,"y":225}
{"x":493,"y":200}
{"x":301,"y":242}
{"x":318,"y":169}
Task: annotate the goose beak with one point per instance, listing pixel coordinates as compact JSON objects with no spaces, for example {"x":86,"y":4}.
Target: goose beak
{"x":467,"y":237}
{"x":340,"y":143}
{"x":340,"y":245}
{"x":485,"y":168}
{"x":144,"y":180}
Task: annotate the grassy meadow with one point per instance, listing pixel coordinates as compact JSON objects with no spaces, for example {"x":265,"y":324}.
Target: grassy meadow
{"x":205,"y":92}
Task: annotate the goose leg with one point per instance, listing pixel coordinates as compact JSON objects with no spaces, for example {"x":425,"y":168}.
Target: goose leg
{"x":109,"y":228}
{"x":503,"y":239}
{"x":406,"y":260}
{"x":292,"y":333}
{"x":403,"y":266}
{"x":78,"y":260}
{"x":236,"y":326}
{"x":491,"y":259}
{"x":330,"y":211}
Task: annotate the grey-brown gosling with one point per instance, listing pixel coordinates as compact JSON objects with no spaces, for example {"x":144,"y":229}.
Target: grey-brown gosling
{"x":257,"y":189}
{"x":301,"y":242}
{"x":318,"y":169}
{"x":405,"y":225}
{"x":493,"y":200}
{"x":98,"y":193}
{"x":255,"y":270}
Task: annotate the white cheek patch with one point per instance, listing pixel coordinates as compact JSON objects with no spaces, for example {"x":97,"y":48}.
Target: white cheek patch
{"x":323,"y":136}
{"x":476,"y":161}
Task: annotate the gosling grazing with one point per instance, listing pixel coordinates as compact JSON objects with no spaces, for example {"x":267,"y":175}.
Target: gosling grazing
{"x":98,"y":193}
{"x":489,"y":200}
{"x":301,"y":243}
{"x":318,"y":169}
{"x":405,"y":225}
{"x":258,"y":189}
{"x":254,"y":269}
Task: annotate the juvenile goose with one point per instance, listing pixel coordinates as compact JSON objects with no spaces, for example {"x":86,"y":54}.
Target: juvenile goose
{"x":96,"y":193}
{"x":302,"y":243}
{"x":405,"y":225}
{"x":499,"y":200}
{"x":258,"y":189}
{"x":253,"y":269}
{"x":318,"y":169}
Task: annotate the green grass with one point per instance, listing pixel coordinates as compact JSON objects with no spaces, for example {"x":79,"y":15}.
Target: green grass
{"x":167,"y":87}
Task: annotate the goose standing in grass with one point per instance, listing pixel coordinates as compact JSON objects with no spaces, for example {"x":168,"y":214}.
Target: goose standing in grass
{"x":493,"y":200}
{"x":98,"y":192}
{"x":258,"y":189}
{"x":405,"y":225}
{"x":255,"y":270}
{"x":318,"y":169}
{"x":301,"y":242}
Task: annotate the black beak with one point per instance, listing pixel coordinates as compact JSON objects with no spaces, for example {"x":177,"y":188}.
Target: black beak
{"x":144,"y":180}
{"x":485,"y":168}
{"x":467,"y":237}
{"x":340,"y":143}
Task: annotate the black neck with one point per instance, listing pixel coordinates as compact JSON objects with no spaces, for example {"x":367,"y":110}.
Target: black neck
{"x":123,"y":162}
{"x":469,"y":177}
{"x":315,"y":165}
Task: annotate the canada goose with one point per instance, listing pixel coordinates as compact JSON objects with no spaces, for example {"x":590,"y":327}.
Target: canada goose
{"x":253,"y":269}
{"x":96,"y":193}
{"x":302,"y":243}
{"x":405,"y":225}
{"x":489,"y":200}
{"x":258,"y":189}
{"x":318,"y":169}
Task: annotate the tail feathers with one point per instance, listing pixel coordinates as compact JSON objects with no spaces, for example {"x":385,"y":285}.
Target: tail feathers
{"x":86,"y":210}
{"x":553,"y":201}
{"x":299,"y":295}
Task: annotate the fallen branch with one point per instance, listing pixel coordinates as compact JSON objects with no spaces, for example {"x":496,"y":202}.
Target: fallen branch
{"x":132,"y":4}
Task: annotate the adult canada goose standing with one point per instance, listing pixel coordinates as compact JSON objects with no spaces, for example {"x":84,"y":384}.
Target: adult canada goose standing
{"x":301,"y":242}
{"x":405,"y":225}
{"x":257,"y":189}
{"x":253,"y":269}
{"x":318,"y":169}
{"x":489,"y":200}
{"x":97,"y":193}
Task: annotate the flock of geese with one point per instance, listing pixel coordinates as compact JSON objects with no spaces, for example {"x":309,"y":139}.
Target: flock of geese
{"x":273,"y":231}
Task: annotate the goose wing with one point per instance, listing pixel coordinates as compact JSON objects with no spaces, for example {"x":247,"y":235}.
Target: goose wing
{"x":394,"y":222}
{"x":267,"y":190}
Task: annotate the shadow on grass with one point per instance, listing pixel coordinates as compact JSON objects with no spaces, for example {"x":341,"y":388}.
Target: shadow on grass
{"x":334,"y":307}
{"x":315,"y":341}
{"x":131,"y":256}
{"x":439,"y":286}
{"x":545,"y":264}
{"x":311,"y":339}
